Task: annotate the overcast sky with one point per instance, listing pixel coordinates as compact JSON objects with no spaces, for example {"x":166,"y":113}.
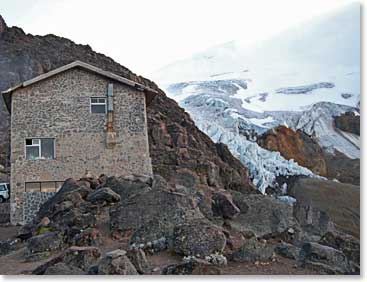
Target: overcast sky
{"x":145,"y":35}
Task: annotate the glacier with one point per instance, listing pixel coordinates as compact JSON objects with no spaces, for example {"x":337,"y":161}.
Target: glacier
{"x":301,"y":78}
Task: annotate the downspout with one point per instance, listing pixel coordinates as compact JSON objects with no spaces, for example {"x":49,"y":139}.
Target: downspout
{"x":111,"y":133}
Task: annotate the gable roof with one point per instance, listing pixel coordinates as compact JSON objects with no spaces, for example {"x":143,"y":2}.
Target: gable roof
{"x":149,"y":92}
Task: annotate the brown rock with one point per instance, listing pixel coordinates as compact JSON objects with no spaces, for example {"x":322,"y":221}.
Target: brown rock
{"x":297,"y":146}
{"x":223,"y":205}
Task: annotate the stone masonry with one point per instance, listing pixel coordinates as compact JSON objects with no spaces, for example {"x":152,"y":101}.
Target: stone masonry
{"x":32,"y":203}
{"x":59,"y":107}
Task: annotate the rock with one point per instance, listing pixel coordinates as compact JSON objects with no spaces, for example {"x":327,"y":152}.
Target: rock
{"x":199,"y":238}
{"x":103,"y":195}
{"x":44,"y":243}
{"x":295,"y":145}
{"x":193,"y":266}
{"x":324,"y":259}
{"x":88,"y":237}
{"x":8,"y":246}
{"x":223,"y":205}
{"x":138,"y":259}
{"x":45,"y":222}
{"x":348,"y":244}
{"x":321,"y":204}
{"x":254,"y":250}
{"x":81,"y":257}
{"x":234,"y":242}
{"x":262,"y":215}
{"x":158,"y":212}
{"x":287,"y":250}
{"x":63,"y":269}
{"x":126,"y":186}
{"x":116,"y":263}
{"x":348,"y":122}
{"x":343,"y":169}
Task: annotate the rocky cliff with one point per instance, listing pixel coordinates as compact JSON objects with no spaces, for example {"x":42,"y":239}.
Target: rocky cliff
{"x":179,"y":150}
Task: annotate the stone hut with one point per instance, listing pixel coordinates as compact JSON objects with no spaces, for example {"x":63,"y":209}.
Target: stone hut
{"x":73,"y":120}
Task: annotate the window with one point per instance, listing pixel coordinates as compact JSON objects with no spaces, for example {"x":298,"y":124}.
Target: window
{"x":33,"y":187}
{"x":43,"y":148}
{"x":98,"y":105}
{"x":46,"y":186}
{"x":3,"y":187}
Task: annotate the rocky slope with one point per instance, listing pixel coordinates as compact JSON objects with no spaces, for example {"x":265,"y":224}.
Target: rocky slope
{"x":124,"y":225}
{"x":178,"y":149}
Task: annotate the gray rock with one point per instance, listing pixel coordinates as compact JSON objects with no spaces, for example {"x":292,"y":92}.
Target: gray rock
{"x":126,"y":186}
{"x":103,"y":195}
{"x":324,"y":259}
{"x":254,"y":250}
{"x":348,"y":244}
{"x":116,"y":263}
{"x":152,"y":215}
{"x":63,"y":269}
{"x":262,"y":215}
{"x":193,"y":266}
{"x":287,"y":250}
{"x":7,"y":247}
{"x":139,"y":260}
{"x":43,"y":243}
{"x":198,"y":238}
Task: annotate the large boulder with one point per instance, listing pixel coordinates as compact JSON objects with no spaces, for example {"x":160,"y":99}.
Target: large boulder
{"x":348,"y":244}
{"x":264,"y":216}
{"x":320,"y":202}
{"x":152,"y":215}
{"x":199,"y":238}
{"x":324,"y":259}
{"x":116,"y":263}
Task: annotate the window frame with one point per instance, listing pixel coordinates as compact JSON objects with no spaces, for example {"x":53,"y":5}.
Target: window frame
{"x":39,"y":145}
{"x":39,"y":183}
{"x":98,"y":104}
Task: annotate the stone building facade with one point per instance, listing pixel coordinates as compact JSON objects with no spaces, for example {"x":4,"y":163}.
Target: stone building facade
{"x":74,"y":120}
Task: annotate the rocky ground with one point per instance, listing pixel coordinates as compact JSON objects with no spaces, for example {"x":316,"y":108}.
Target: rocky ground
{"x":142,"y":225}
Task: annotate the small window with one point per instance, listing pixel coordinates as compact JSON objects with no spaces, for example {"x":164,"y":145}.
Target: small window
{"x":43,"y":148}
{"x":98,"y":105}
{"x":2,"y":188}
{"x":33,"y":187}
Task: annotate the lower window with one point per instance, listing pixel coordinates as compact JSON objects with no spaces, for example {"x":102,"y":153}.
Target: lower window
{"x":44,"y":186}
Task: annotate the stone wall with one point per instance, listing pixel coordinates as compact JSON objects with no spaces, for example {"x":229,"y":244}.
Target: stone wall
{"x":59,"y":107}
{"x":4,"y":212}
{"x":32,"y":203}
